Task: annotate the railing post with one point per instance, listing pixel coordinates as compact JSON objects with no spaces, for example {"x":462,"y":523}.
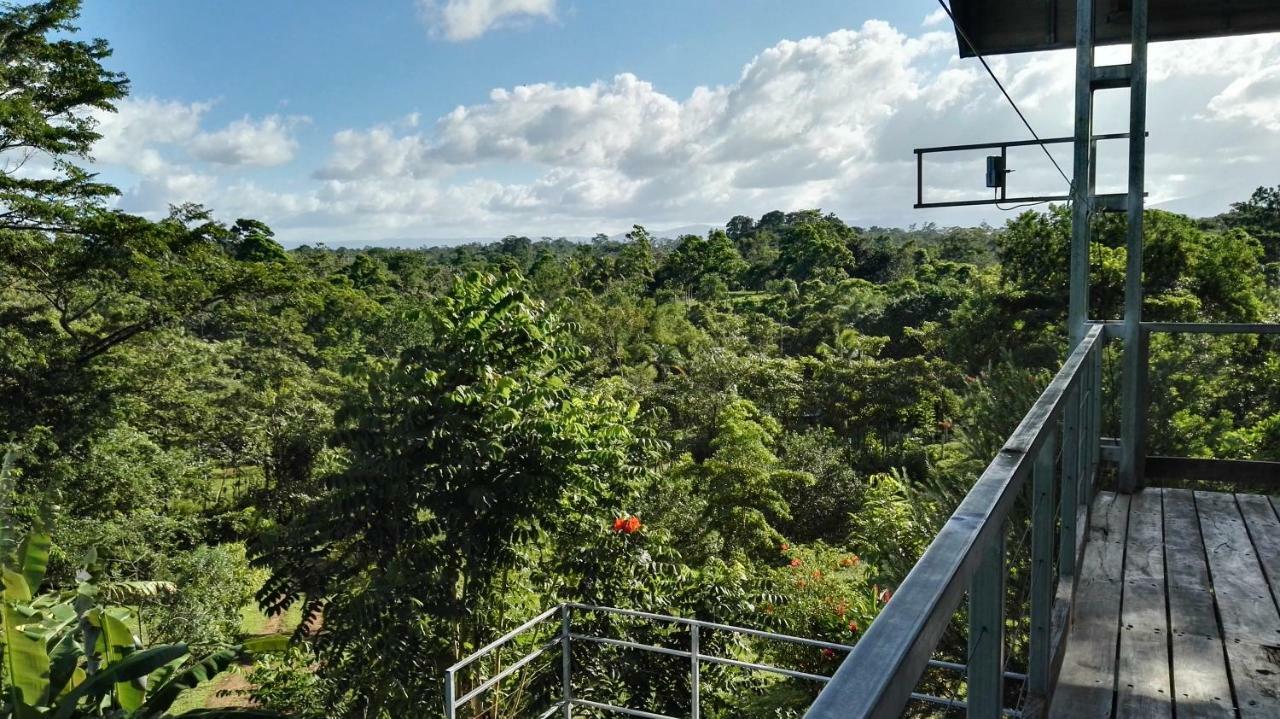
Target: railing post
{"x":450,"y":706}
{"x":1042,"y":529}
{"x":566,"y":685}
{"x":986,"y":634}
{"x":1071,"y":484}
{"x":1095,"y":432}
{"x":695,"y":683}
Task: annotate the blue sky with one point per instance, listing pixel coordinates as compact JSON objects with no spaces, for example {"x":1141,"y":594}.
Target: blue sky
{"x":338,"y":122}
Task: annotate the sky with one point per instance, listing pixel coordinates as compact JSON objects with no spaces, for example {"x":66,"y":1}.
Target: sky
{"x":414,"y":121}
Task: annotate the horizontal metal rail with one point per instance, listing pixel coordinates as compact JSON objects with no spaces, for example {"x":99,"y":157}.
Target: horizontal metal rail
{"x":504,"y":639}
{"x":1227,"y":471}
{"x":1214,"y":328}
{"x":620,"y":710}
{"x":515,"y":667}
{"x":713,"y":625}
{"x":880,"y":675}
{"x":1015,"y":143}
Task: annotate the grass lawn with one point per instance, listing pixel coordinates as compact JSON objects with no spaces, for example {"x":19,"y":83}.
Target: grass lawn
{"x":253,"y":623}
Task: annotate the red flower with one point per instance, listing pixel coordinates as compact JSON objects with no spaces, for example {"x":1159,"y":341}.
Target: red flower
{"x":795,"y":562}
{"x":885,"y":596}
{"x":828,"y":653}
{"x":633,"y":525}
{"x":618,"y":524}
{"x":853,"y":627}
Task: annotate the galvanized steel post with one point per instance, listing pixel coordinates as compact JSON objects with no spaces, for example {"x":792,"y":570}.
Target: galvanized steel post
{"x":1042,"y":531}
{"x":695,"y":678}
{"x":566,"y":685}
{"x":986,"y":634}
{"x":1081,"y":181}
{"x":1133,"y":426}
{"x":450,"y":705}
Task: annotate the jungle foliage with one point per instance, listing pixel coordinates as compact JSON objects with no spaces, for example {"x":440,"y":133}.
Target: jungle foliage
{"x":422,"y":448}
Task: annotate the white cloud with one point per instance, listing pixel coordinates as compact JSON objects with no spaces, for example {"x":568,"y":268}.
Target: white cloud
{"x":935,"y":18}
{"x":265,"y":143}
{"x":469,"y":19}
{"x":1254,"y":98}
{"x":131,"y":135}
{"x":819,"y":122}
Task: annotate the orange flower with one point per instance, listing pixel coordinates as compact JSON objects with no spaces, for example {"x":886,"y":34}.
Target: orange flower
{"x":619,"y":523}
{"x":633,"y":525}
{"x":817,"y":574}
{"x":841,"y":608}
{"x":853,"y":627}
{"x":786,"y":547}
{"x":795,"y":562}
{"x":885,"y":596}
{"x":850,"y":561}
{"x":945,"y":425}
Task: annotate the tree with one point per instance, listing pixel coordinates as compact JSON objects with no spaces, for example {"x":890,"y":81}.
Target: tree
{"x":468,"y":450}
{"x":1259,"y":216}
{"x":51,"y":83}
{"x":743,"y":485}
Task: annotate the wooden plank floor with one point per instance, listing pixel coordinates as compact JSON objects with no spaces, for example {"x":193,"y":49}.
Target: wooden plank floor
{"x":1177,"y":610}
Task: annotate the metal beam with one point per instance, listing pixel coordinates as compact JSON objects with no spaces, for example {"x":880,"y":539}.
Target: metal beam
{"x":1133,"y":423}
{"x":1082,"y":177}
{"x":1227,"y":471}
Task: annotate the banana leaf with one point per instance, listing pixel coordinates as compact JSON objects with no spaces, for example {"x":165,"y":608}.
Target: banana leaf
{"x":131,"y":668}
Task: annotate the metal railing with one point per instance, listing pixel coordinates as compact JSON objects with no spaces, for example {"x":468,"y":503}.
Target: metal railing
{"x":968,"y":556}
{"x":1228,"y":471}
{"x":567,"y":636}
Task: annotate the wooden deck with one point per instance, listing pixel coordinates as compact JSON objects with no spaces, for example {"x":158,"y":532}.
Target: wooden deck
{"x":1176,"y":609}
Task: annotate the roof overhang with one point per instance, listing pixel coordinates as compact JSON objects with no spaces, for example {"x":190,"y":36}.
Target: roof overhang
{"x":1005,"y":26}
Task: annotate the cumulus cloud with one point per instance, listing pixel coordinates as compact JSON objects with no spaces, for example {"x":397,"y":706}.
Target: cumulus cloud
{"x":819,"y":122}
{"x":1254,"y":98}
{"x":469,"y":19}
{"x":265,"y":142}
{"x":133,"y":134}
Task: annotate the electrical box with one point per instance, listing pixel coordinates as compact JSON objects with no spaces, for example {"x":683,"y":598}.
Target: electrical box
{"x":995,"y":171}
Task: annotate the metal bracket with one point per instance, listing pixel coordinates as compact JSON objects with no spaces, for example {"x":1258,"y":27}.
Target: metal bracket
{"x":1002,"y":191}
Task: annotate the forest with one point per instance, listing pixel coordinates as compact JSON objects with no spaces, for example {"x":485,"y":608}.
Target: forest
{"x":244,"y":480}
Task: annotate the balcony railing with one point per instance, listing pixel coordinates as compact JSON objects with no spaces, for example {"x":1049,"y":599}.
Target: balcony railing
{"x":479,"y":694}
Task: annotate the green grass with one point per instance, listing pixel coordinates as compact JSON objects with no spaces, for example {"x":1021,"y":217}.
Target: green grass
{"x":254,"y":623}
{"x":197,"y":698}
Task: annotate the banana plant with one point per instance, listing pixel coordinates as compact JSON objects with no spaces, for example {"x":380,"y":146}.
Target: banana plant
{"x":69,"y":656}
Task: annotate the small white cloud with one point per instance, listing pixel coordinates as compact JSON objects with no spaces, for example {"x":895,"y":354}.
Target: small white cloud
{"x":935,"y":18}
{"x":262,"y":143}
{"x":469,"y":19}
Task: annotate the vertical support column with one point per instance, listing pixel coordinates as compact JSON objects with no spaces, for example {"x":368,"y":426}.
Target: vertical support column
{"x":1133,"y":427}
{"x":1070,"y":491}
{"x":566,"y":666}
{"x":695,"y":679}
{"x":1042,"y":531}
{"x":986,"y":634}
{"x":1081,"y":194}
{"x":450,"y":704}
